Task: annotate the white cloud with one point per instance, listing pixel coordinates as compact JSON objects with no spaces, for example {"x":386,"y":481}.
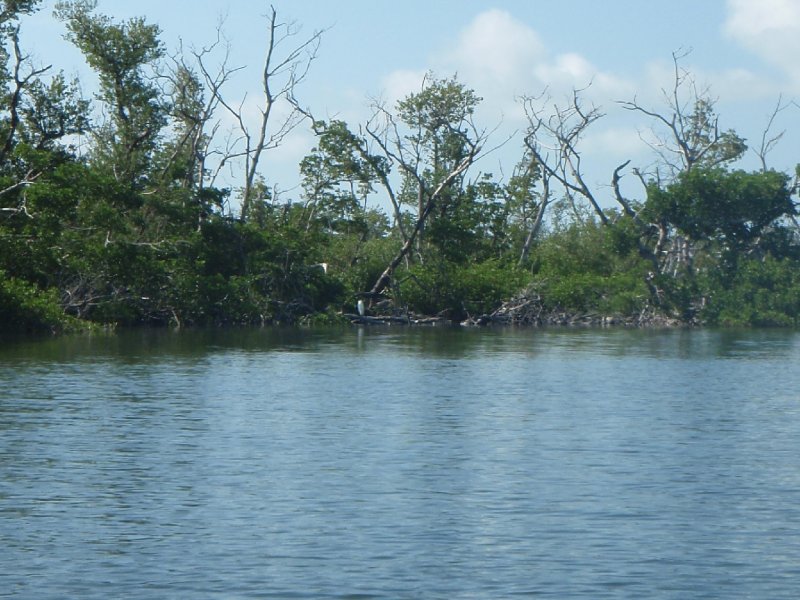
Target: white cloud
{"x":496,"y":48}
{"x":765,"y":17}
{"x":503,"y":57}
{"x":769,"y":28}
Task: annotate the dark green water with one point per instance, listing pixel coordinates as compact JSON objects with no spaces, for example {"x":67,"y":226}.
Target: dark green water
{"x":401,"y":464}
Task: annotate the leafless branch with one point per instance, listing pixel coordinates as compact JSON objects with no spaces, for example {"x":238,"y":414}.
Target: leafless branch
{"x":769,"y":141}
{"x":553,"y":138}
{"x":690,"y":136}
{"x":22,"y":206}
{"x":281,"y":74}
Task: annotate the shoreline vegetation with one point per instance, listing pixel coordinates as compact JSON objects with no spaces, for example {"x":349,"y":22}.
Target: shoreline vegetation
{"x":525,"y":310}
{"x":113,"y":212}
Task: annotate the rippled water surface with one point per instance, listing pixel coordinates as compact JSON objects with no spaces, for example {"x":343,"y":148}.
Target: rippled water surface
{"x":401,"y":464}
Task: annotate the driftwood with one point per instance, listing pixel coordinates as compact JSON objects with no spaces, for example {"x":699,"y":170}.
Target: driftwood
{"x":395,"y":320}
{"x":527,"y":309}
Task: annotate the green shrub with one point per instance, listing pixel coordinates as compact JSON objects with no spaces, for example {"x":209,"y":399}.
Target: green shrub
{"x":590,"y":268}
{"x":460,"y":291}
{"x":763,"y":293}
{"x":26,"y":308}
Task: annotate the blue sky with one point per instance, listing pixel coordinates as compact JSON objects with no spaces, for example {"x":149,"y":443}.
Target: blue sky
{"x":748,"y":51}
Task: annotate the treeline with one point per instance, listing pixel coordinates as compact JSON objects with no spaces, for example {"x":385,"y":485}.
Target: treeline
{"x":111,"y":214}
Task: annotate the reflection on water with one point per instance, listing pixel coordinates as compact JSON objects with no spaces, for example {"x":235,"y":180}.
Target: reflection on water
{"x":396,"y":463}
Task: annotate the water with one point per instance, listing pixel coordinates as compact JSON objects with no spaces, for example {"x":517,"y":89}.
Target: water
{"x":401,"y":464}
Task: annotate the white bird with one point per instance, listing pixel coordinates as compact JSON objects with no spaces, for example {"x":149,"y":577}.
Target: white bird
{"x":361,"y":308}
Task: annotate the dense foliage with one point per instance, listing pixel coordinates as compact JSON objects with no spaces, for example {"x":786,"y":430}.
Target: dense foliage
{"x":131,"y":229}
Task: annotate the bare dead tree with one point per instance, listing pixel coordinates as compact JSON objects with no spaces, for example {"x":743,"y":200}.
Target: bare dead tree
{"x":768,"y":139}
{"x":194,"y":91}
{"x":213,"y":151}
{"x":544,"y":200}
{"x":553,"y":137}
{"x":536,"y":226}
{"x":281,"y":74}
{"x":692,"y":134}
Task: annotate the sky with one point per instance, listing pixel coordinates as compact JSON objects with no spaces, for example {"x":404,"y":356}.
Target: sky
{"x":746,"y":51}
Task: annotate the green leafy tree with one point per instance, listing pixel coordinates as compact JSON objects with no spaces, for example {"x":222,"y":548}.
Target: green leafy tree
{"x":123,"y":55}
{"x":733,"y":209}
{"x":338,"y":177}
{"x":38,"y":114}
